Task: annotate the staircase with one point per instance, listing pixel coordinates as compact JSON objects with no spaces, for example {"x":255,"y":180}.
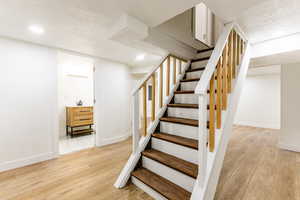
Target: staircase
{"x":178,"y":153}
{"x":169,"y":165}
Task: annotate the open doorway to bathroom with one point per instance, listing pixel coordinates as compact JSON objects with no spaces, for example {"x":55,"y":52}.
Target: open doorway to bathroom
{"x":75,"y":103}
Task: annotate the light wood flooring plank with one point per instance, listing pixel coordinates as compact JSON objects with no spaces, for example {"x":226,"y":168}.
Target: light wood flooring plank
{"x":254,"y":169}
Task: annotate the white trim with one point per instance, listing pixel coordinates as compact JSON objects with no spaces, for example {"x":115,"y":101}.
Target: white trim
{"x":55,"y":135}
{"x":26,"y":161}
{"x":113,"y":140}
{"x":238,"y":29}
{"x":259,"y":124}
{"x":289,"y":147}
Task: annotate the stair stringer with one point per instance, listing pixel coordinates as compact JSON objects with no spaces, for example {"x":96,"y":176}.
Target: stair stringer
{"x":135,"y":157}
{"x":215,"y":159}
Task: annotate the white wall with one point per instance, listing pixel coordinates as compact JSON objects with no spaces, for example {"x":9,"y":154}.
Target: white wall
{"x":76,"y":82}
{"x":112,"y":92}
{"x":290,"y":107}
{"x":260,"y":100}
{"x":28,"y":92}
{"x":180,"y":28}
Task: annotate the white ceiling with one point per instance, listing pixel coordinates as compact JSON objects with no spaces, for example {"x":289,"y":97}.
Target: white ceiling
{"x":261,"y":19}
{"x":271,"y":19}
{"x":84,"y":26}
{"x":276,"y":59}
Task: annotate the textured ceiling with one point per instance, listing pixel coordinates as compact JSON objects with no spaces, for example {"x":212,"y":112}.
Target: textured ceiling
{"x":260,"y":19}
{"x":271,"y":19}
{"x":84,"y":26}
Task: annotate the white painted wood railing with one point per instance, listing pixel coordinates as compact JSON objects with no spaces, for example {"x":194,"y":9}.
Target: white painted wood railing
{"x":219,"y":90}
{"x":161,"y":79}
{"x":164,"y":78}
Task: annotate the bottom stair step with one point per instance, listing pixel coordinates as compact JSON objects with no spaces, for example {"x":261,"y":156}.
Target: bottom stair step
{"x":166,"y":188}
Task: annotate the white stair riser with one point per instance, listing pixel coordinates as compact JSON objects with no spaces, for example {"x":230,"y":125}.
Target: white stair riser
{"x":179,"y":151}
{"x":189,"y":113}
{"x":186,"y":98}
{"x":204,"y":54}
{"x":199,"y":64}
{"x":176,"y":177}
{"x":195,"y":74}
{"x":179,"y":130}
{"x":189,"y":85}
{"x":147,"y":189}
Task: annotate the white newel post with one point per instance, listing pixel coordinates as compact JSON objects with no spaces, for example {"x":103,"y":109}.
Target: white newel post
{"x":202,"y":140}
{"x":135,"y":123}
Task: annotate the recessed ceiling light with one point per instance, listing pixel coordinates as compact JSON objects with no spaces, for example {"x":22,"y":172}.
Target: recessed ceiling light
{"x":140,"y":57}
{"x":36,"y":29}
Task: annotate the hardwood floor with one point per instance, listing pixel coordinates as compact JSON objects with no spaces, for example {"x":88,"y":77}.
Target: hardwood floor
{"x":254,"y":169}
{"x":85,"y":175}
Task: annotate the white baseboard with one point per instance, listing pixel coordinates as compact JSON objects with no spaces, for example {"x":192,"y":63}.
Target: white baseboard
{"x":289,"y":147}
{"x":258,"y":124}
{"x":112,"y":140}
{"x":9,"y":165}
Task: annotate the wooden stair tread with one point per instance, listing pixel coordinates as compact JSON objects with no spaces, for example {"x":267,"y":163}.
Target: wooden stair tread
{"x":161,"y":185}
{"x":173,"y":162}
{"x":205,"y":50}
{"x":190,"y":80}
{"x":200,"y":59}
{"x":196,"y":69}
{"x":183,"y":105}
{"x":187,"y":142}
{"x":184,"y":92}
{"x":184,"y":121}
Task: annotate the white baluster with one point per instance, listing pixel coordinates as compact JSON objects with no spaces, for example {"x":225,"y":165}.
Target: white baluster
{"x":135,"y":123}
{"x":202,"y":140}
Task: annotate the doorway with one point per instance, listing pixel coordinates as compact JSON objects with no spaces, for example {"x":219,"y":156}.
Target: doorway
{"x":75,"y":103}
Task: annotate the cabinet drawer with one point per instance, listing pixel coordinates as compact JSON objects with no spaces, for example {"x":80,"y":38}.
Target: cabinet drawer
{"x":83,"y":117}
{"x":82,"y":122}
{"x":83,"y":110}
